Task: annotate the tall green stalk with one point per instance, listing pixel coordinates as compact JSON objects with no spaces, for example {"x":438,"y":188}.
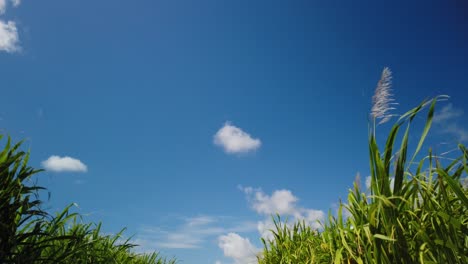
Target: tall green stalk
{"x":29,"y":234}
{"x":411,"y":214}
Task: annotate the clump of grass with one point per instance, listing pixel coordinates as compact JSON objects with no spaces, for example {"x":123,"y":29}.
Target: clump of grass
{"x":298,"y":243}
{"x":422,"y":217}
{"x":28,"y":234}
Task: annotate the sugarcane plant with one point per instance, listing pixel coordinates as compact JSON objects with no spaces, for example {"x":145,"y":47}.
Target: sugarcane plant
{"x":413,"y":212}
{"x":29,"y":234}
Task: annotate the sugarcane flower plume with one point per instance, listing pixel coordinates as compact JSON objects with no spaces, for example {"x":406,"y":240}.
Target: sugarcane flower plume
{"x":382,"y":99}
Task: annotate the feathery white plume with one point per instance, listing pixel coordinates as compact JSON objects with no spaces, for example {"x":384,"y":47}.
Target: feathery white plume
{"x":382,"y":99}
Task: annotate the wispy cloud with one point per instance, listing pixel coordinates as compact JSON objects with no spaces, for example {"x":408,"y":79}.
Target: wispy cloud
{"x":447,"y":113}
{"x":192,"y":233}
{"x":64,"y":164}
{"x":447,"y":120}
{"x":234,"y":140}
{"x":9,"y":40}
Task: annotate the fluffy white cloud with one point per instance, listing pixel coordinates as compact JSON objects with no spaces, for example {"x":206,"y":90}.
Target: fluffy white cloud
{"x":238,"y":248}
{"x":64,"y":164}
{"x":281,"y":202}
{"x":235,"y":140}
{"x":9,"y":40}
{"x":16,"y":2}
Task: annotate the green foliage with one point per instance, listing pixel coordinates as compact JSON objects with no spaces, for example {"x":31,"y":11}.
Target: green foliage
{"x":296,"y":244}
{"x":29,"y":234}
{"x":413,"y":214}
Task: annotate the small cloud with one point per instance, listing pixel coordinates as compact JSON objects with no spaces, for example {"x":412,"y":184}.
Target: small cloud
{"x":238,"y":248}
{"x":9,"y":40}
{"x":234,"y":140}
{"x":64,"y":164}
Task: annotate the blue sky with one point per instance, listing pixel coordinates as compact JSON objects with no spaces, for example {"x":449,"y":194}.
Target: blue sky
{"x":134,"y":94}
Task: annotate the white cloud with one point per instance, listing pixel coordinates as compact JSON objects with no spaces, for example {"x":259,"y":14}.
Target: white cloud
{"x":16,"y":2}
{"x":64,"y":164}
{"x":192,"y":233}
{"x":235,"y":140}
{"x":281,"y":202}
{"x":9,"y":40}
{"x":240,"y":249}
